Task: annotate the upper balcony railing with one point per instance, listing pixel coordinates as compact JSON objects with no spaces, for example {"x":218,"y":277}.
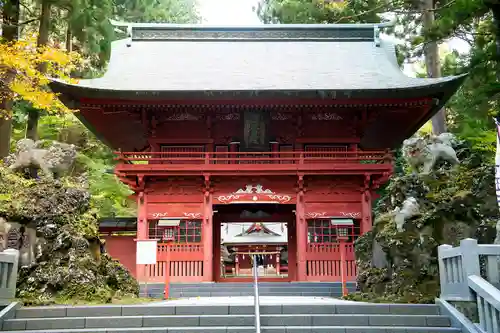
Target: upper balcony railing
{"x":291,"y":157}
{"x":250,"y":163}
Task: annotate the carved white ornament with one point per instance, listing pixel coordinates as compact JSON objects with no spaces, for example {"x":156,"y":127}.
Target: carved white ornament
{"x":319,"y":215}
{"x":254,"y":189}
{"x":352,"y":215}
{"x":228,"y":116}
{"x":326,"y":116}
{"x":316,"y":215}
{"x":180,"y":116}
{"x":193,"y":216}
{"x":159,"y":215}
{"x":281,"y":116}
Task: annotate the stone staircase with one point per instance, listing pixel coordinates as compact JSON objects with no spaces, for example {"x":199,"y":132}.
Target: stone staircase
{"x":225,"y":289}
{"x":165,"y":318}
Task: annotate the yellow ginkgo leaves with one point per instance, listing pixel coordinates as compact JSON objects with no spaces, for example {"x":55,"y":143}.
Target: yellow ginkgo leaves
{"x":25,"y":70}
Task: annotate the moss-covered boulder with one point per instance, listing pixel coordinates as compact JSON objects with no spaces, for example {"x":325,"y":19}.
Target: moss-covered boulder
{"x":68,"y":264}
{"x":455,"y":203}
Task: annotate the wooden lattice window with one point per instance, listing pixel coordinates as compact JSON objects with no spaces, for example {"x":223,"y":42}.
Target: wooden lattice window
{"x":325,"y":231}
{"x":187,"y":231}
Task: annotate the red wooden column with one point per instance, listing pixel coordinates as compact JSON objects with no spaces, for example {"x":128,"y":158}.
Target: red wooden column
{"x":301,"y":230}
{"x":207,"y":232}
{"x":142,"y":228}
{"x":233,"y":148}
{"x":366,"y":211}
{"x":275,"y":148}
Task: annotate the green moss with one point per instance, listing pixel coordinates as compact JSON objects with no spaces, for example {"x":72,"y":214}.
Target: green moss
{"x":454,"y":202}
{"x":67,"y":269}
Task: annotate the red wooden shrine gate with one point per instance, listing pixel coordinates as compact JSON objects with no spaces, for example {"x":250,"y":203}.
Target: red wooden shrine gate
{"x":323,"y":243}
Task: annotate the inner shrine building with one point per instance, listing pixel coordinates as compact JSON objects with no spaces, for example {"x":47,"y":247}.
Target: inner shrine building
{"x":284,"y":131}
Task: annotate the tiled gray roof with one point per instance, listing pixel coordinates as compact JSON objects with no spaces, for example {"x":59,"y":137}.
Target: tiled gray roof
{"x":231,"y":234}
{"x":255,"y":65}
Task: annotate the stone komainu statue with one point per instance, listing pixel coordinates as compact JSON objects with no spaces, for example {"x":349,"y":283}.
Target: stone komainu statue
{"x":53,"y":161}
{"x":421,"y":152}
{"x":409,"y":209}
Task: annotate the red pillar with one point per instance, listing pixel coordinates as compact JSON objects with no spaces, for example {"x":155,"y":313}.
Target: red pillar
{"x":301,"y":229}
{"x":366,"y":211}
{"x":233,"y":149}
{"x":142,"y":229}
{"x":207,"y":233}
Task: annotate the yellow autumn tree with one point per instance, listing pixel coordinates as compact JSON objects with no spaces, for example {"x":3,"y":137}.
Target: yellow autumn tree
{"x":21,"y":77}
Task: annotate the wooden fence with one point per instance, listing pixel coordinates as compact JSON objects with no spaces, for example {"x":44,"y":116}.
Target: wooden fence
{"x":471,"y":272}
{"x":8,"y":275}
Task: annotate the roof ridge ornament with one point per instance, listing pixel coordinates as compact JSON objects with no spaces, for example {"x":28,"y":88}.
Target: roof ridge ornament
{"x":376,"y":35}
{"x":129,"y":35}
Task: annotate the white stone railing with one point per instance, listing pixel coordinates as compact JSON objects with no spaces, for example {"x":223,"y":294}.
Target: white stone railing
{"x":8,"y":275}
{"x":460,"y":277}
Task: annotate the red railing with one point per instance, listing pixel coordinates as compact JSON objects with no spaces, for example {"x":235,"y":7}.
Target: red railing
{"x":289,"y":157}
{"x":175,"y":262}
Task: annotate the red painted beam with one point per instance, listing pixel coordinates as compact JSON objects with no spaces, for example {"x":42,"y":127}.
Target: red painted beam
{"x":258,"y":102}
{"x":252,"y":170}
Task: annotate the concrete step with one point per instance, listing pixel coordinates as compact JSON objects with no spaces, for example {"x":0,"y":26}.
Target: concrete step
{"x":178,"y":290}
{"x":166,"y":309}
{"x":225,"y":320}
{"x":264,"y":329}
{"x":250,"y":285}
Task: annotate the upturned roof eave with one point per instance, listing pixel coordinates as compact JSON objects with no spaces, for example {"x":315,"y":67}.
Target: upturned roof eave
{"x":76,"y":93}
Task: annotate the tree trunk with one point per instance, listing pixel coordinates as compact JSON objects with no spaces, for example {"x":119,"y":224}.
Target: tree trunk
{"x":10,"y":33}
{"x":44,"y":28}
{"x":495,"y":9}
{"x":69,"y":37}
{"x":5,"y":131}
{"x":43,"y":39}
{"x":431,"y":52}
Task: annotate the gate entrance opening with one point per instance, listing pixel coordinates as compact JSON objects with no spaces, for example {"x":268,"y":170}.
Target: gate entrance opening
{"x":264,"y":230}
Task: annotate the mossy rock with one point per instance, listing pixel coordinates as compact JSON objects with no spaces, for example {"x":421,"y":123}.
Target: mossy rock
{"x":68,"y":267}
{"x":454,"y":204}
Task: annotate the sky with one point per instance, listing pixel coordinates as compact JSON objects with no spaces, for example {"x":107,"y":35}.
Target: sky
{"x":240,"y":12}
{"x":229,"y":12}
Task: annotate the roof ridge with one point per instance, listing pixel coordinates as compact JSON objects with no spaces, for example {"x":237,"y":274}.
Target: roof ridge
{"x":260,"y":27}
{"x":284,"y":32}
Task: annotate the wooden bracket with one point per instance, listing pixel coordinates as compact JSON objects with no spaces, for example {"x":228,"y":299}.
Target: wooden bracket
{"x":300,"y":183}
{"x":141,"y":182}
{"x":381,"y":180}
{"x":367,"y":182}
{"x":207,"y":185}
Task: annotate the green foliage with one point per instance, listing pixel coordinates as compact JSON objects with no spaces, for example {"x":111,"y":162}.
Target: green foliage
{"x":94,"y":163}
{"x":320,"y":11}
{"x":159,"y":11}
